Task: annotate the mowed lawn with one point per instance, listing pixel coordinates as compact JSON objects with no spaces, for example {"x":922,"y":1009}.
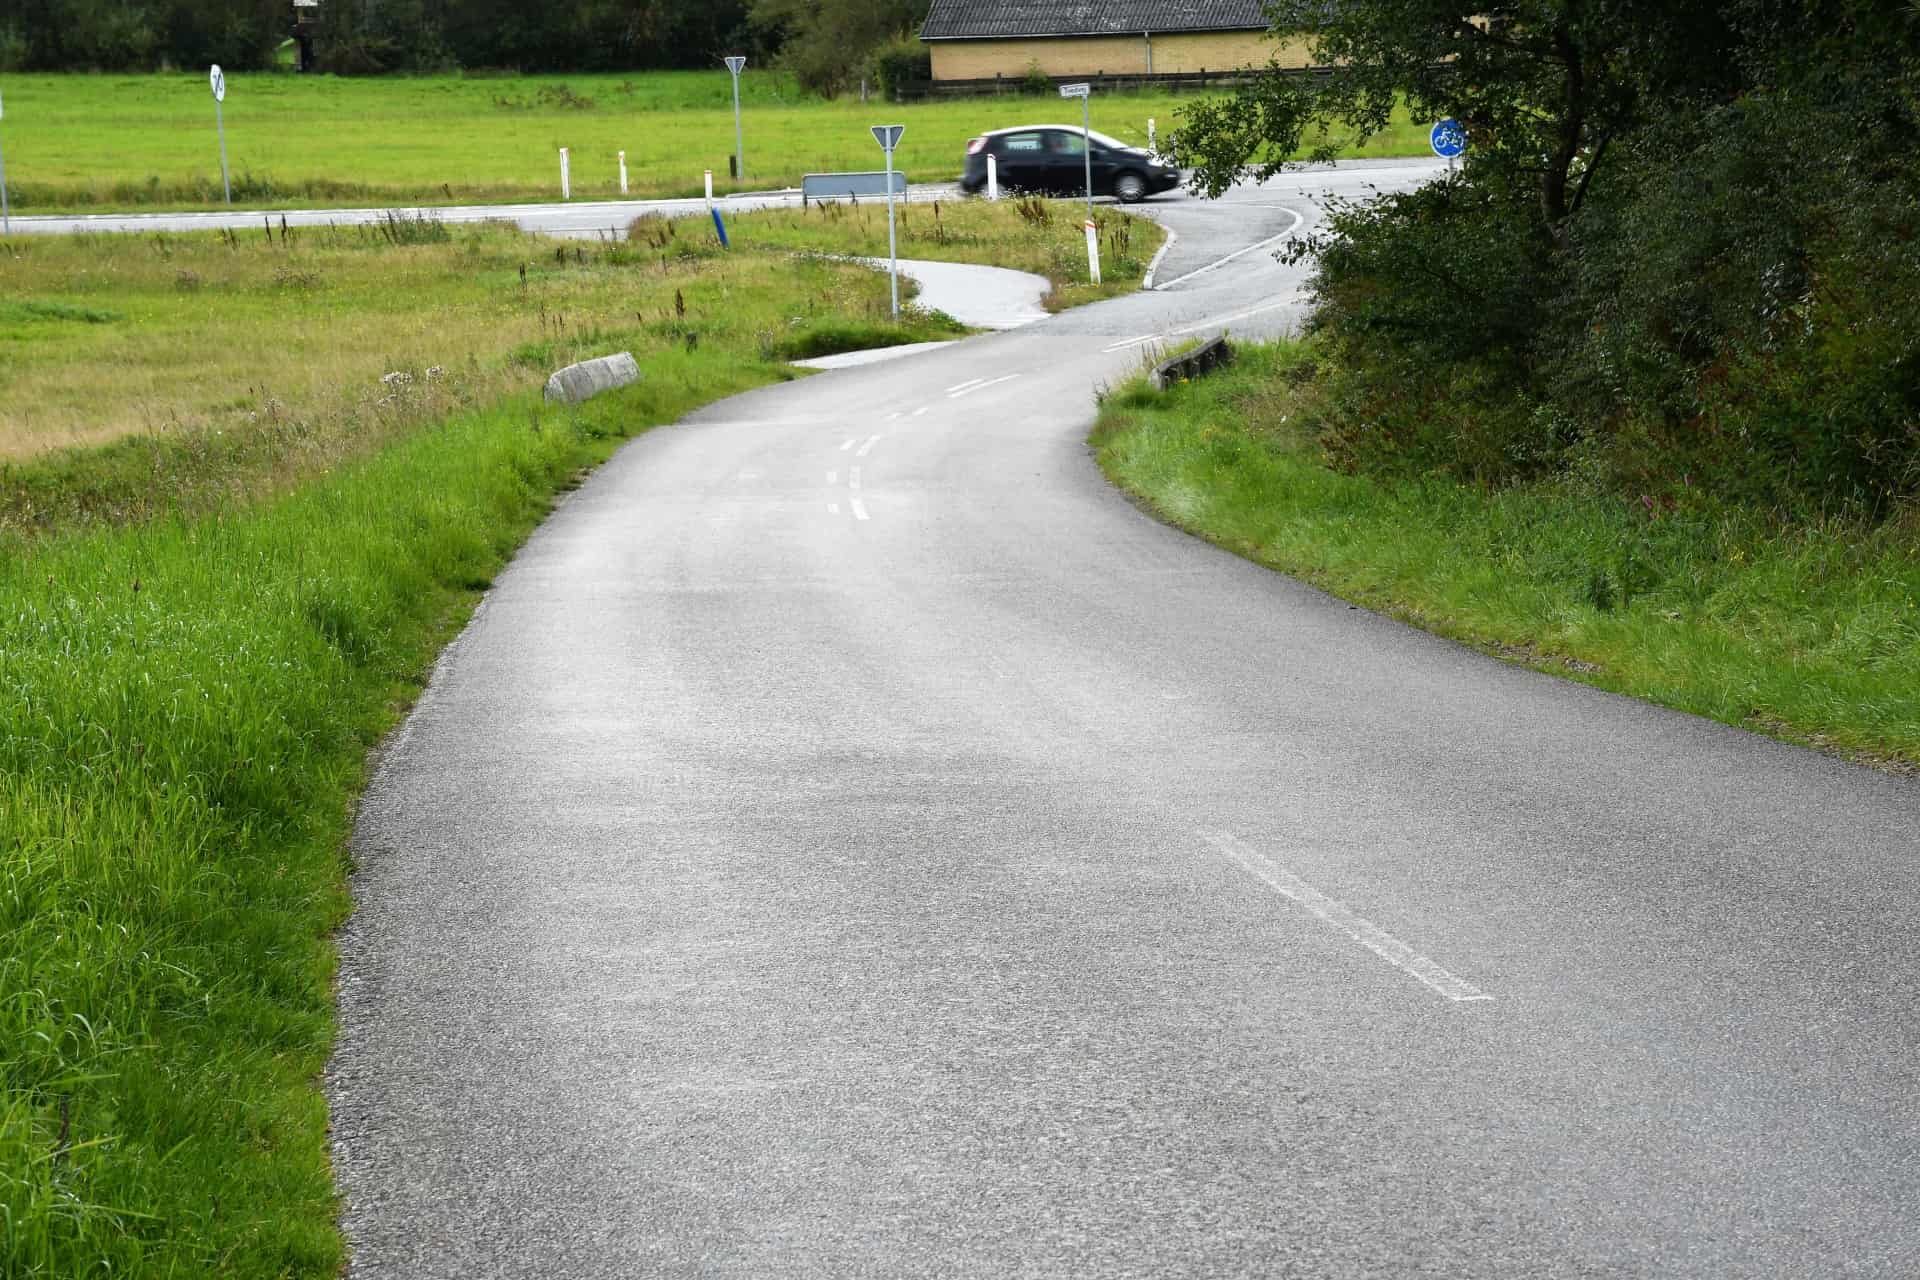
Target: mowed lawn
{"x":97,"y":143}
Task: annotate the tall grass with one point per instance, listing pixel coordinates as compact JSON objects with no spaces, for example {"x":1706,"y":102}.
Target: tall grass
{"x":189,"y":704}
{"x":1810,"y":633}
{"x":284,"y":350}
{"x":92,"y":143}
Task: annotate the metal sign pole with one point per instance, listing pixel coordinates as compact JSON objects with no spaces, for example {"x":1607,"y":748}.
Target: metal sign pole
{"x":736,"y":65}
{"x":1084,"y":92}
{"x":888,"y":136}
{"x":218,"y":80}
{"x":1086,"y":147}
{"x":893,"y":245}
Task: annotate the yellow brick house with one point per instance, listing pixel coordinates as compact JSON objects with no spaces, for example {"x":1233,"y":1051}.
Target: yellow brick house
{"x":984,"y":39}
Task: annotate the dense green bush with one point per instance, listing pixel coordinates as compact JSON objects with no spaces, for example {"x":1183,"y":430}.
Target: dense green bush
{"x":1747,"y":300}
{"x":1737,"y":311}
{"x":898,"y":63}
{"x":1682,"y":256}
{"x":828,"y":44}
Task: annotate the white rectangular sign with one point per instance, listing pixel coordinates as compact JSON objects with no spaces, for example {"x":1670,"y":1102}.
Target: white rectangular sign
{"x":1075,"y":90}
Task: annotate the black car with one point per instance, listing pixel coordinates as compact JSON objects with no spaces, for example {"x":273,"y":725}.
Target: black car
{"x":1052,"y":159}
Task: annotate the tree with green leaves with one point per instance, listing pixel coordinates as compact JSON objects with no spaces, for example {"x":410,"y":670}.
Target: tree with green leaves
{"x":826,"y":43}
{"x":1543,"y":87}
{"x":1682,"y":256}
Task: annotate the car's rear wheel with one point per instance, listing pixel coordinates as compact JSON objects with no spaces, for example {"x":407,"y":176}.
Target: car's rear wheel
{"x":1130,"y":187}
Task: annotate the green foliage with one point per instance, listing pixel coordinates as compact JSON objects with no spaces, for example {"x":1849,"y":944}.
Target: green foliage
{"x":826,"y":43}
{"x":1542,"y":86}
{"x":362,"y":37}
{"x":898,"y":63}
{"x":1679,"y":263}
{"x":14,"y":49}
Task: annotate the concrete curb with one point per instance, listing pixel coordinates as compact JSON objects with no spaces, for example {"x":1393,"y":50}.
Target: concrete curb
{"x":1153,"y":268}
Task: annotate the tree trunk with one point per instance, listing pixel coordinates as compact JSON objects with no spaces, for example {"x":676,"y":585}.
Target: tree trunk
{"x":1553,"y":183}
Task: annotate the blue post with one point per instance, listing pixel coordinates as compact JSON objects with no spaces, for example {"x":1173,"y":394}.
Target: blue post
{"x":721,"y":227}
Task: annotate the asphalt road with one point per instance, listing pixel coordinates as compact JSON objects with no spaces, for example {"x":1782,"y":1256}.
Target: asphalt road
{"x":852,"y":840}
{"x":585,"y":219}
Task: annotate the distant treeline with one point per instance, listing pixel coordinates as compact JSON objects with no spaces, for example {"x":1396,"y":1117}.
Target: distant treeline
{"x":827,"y":42}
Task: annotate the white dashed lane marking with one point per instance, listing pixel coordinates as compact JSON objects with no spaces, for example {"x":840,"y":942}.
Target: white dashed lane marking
{"x":967,"y":389}
{"x":1340,"y":916}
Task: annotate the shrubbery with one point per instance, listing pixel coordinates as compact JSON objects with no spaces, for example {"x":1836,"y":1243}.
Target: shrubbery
{"x":898,"y":63}
{"x":1697,"y":276}
{"x":1737,"y":314}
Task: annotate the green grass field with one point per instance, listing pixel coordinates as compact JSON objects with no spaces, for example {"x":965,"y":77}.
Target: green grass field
{"x":118,"y":142}
{"x":1809,"y":634}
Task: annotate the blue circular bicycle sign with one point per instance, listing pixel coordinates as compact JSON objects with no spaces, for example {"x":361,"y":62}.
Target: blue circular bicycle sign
{"x":1448,"y":139}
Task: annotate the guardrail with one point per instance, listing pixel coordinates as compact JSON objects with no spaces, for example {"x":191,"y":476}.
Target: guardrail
{"x":1203,"y":359}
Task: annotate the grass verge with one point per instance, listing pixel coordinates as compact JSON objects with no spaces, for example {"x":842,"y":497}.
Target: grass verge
{"x":1043,"y":237}
{"x":190,"y":703}
{"x":1811,"y":634}
{"x":97,"y":143}
{"x":206,"y":623}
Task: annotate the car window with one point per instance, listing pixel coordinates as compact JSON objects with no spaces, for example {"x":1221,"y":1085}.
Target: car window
{"x":1067,"y":144}
{"x":1021,"y":142}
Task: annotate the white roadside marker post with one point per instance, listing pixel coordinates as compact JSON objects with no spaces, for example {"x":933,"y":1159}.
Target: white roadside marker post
{"x":623,"y":173}
{"x":993,"y":177}
{"x":566,"y":178}
{"x":1093,"y":252}
{"x":736,"y":64}
{"x":6,"y":214}
{"x":709,"y":188}
{"x":218,"y":79}
{"x":888,"y":136}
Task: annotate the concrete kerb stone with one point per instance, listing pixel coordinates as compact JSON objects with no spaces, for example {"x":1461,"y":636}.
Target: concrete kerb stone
{"x":589,"y":378}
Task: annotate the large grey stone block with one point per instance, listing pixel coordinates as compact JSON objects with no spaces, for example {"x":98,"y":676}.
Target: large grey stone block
{"x":578,"y":382}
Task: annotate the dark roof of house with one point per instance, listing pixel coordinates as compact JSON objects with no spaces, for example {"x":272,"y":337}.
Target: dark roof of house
{"x":1001,"y":19}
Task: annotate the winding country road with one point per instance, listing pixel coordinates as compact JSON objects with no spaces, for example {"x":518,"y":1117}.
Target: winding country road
{"x":853,"y":840}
